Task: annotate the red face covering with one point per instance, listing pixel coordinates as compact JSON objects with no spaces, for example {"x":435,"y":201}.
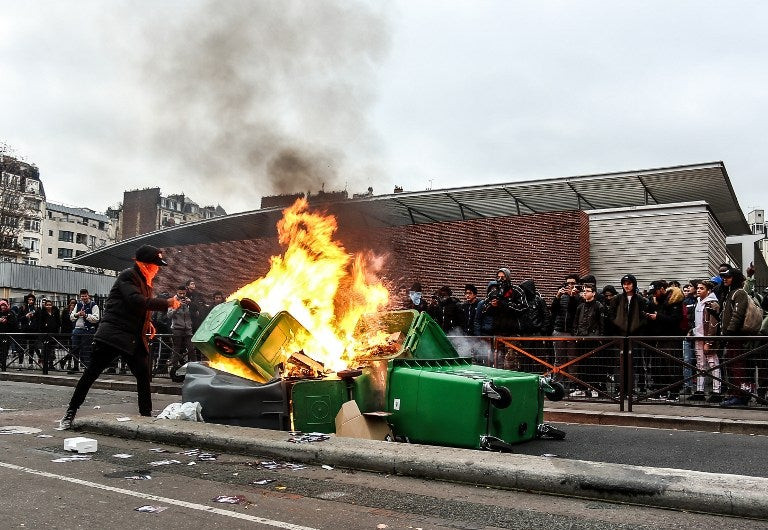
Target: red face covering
{"x":149,"y":270}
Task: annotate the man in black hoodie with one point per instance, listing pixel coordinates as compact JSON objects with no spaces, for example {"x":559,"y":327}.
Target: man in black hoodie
{"x":628,"y":311}
{"x":8,"y":324}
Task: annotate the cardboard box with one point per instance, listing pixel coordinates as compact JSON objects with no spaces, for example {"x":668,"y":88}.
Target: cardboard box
{"x":350,"y":423}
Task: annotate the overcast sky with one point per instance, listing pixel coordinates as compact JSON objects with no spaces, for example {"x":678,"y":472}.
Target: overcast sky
{"x":233,"y":100}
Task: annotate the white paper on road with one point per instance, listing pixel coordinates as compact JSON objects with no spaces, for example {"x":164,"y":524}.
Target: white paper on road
{"x":151,"y":509}
{"x":18,"y":429}
{"x":122,"y":455}
{"x":73,"y":458}
{"x":163,"y":463}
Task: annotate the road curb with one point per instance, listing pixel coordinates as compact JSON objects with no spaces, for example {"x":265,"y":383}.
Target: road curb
{"x":658,"y":421}
{"x":659,"y":487}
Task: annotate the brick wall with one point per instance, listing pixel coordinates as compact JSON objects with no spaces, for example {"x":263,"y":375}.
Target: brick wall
{"x":139,"y":214}
{"x":542,"y":247}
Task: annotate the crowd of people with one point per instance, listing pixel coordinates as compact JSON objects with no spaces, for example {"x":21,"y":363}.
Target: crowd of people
{"x":61,"y":338}
{"x":702,"y":307}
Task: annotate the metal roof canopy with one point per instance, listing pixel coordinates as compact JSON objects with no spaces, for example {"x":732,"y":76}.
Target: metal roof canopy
{"x":706,"y":182}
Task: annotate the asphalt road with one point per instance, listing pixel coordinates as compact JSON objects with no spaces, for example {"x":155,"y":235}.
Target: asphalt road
{"x":95,"y":493}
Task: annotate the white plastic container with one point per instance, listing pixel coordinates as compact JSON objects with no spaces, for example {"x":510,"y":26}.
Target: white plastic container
{"x":80,"y":444}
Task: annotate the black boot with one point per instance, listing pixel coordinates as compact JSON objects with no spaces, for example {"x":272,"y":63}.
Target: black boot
{"x":65,"y":423}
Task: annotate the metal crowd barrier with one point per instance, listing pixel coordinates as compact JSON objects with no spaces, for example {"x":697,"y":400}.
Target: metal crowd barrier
{"x":633,"y":370}
{"x":52,"y":352}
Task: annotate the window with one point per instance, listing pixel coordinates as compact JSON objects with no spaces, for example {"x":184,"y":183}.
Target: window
{"x":66,"y":236}
{"x":50,"y":250}
{"x":32,"y":225}
{"x":50,"y":233}
{"x":31,"y":243}
{"x":32,"y":204}
{"x":81,"y":239}
{"x":91,"y":241}
{"x":101,"y":225}
{"x":30,"y":261}
{"x":65,"y":253}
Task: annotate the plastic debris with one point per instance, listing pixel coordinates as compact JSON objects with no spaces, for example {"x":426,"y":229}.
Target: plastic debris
{"x":163,"y":463}
{"x":73,"y":458}
{"x":264,"y":481}
{"x":122,"y":455}
{"x":382,"y":526}
{"x":97,"y":407}
{"x":272,"y":465}
{"x":7,"y":410}
{"x":188,"y":411}
{"x":191,"y":463}
{"x":329,"y":468}
{"x":151,"y":509}
{"x":281,"y":488}
{"x":158,"y":450}
{"x":44,"y":436}
{"x":18,"y":429}
{"x":299,"y":438}
{"x":123,"y":418}
{"x":231,"y":499}
{"x":81,"y":444}
{"x":138,"y":477}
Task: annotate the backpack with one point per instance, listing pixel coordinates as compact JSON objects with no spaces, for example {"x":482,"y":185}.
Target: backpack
{"x":753,"y":318}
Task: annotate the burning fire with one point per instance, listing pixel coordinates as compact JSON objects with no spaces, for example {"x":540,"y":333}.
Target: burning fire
{"x":320,"y":284}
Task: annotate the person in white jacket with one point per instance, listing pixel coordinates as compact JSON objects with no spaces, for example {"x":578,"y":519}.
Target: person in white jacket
{"x":706,"y":324}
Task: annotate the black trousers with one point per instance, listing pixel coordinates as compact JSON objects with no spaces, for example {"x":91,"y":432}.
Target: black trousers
{"x":103,"y":356}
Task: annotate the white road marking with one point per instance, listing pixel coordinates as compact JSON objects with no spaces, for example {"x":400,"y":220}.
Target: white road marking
{"x":166,"y":500}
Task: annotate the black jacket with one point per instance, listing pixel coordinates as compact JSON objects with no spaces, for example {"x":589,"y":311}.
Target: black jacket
{"x":590,"y":319}
{"x":125,"y":322}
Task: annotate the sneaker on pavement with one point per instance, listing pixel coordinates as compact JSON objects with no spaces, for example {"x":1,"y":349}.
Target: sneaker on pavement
{"x":577,"y":393}
{"x":65,"y":423}
{"x":735,"y":401}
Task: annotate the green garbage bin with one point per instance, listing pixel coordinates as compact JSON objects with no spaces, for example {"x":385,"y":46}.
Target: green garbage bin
{"x":316,"y":403}
{"x":238,"y":333}
{"x":452,"y":402}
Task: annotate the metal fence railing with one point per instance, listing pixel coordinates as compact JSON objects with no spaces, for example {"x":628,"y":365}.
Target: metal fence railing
{"x":63,"y":352}
{"x":620,"y":370}
{"x":635,"y":370}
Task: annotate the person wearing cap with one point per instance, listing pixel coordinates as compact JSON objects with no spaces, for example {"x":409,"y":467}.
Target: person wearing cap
{"x":733,"y":312}
{"x":123,"y":331}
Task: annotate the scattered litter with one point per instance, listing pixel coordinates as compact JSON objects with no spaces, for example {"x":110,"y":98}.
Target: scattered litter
{"x":281,"y":488}
{"x":73,"y":458}
{"x":189,"y":411}
{"x":81,"y":444}
{"x":264,"y":482}
{"x":331,"y":495}
{"x":44,"y":436}
{"x":382,"y":525}
{"x":272,"y":465}
{"x":191,"y":463}
{"x":299,"y":438}
{"x":231,"y":499}
{"x":123,"y":418}
{"x":158,"y":450}
{"x":133,"y":474}
{"x":550,"y":455}
{"x":151,"y":509}
{"x":7,"y":410}
{"x":122,"y":455}
{"x":139,"y":477}
{"x":97,"y":407}
{"x":235,"y":474}
{"x":18,"y":429}
{"x":163,"y":463}
{"x":207,"y":457}
{"x":329,"y":468}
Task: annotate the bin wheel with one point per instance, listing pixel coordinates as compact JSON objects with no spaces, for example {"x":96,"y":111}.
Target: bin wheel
{"x":501,"y":398}
{"x":559,"y":391}
{"x":545,"y":430}
{"x":250,"y":305}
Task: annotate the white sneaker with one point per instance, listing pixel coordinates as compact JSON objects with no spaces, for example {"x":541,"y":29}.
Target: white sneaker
{"x":577,"y":393}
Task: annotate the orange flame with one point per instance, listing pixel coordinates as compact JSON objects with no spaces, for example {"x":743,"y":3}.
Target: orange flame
{"x":320,"y":284}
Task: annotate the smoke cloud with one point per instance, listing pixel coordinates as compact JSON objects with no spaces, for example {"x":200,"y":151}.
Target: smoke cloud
{"x":258,"y":98}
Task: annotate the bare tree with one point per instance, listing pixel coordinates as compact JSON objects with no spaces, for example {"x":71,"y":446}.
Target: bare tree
{"x":14,"y":208}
